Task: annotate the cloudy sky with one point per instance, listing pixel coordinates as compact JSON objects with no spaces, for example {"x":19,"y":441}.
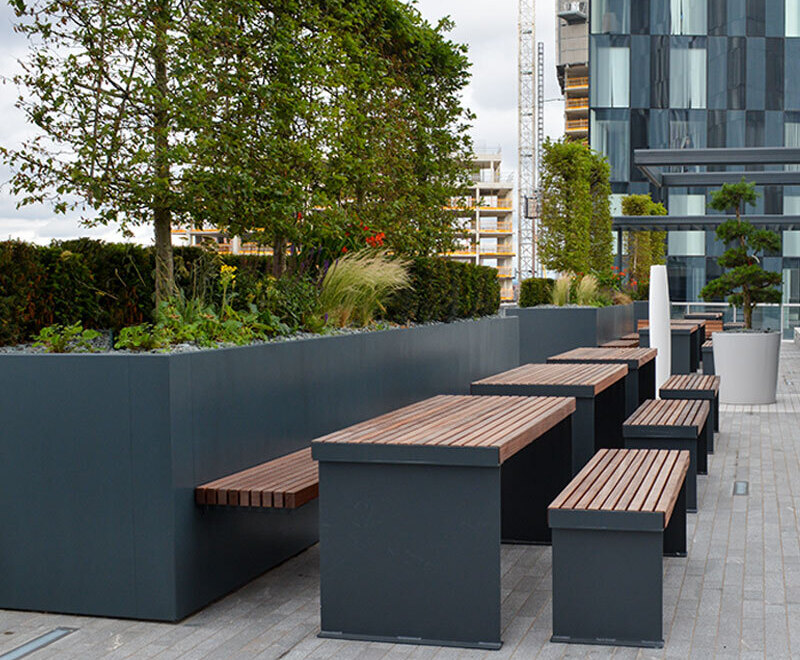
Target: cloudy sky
{"x":488,"y":28}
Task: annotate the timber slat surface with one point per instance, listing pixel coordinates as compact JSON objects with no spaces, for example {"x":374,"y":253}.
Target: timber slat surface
{"x":508,"y":423}
{"x":692,"y":382}
{"x":670,"y":412}
{"x":621,"y":343}
{"x":692,"y":325}
{"x":597,"y":376}
{"x":632,"y":335}
{"x":713,"y":326}
{"x":640,"y":356}
{"x":284,"y":483}
{"x":630,"y":480}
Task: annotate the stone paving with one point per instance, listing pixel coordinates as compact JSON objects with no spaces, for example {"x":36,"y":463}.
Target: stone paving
{"x":737,"y":595}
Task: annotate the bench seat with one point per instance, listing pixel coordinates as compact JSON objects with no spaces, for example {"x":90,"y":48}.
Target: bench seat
{"x":708,"y":358}
{"x":611,"y":526}
{"x":673,"y":424}
{"x":287,"y":482}
{"x":696,"y":386}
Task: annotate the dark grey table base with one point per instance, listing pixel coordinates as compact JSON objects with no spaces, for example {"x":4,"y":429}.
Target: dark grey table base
{"x":685,"y":349}
{"x":608,"y":574}
{"x":596,"y":422}
{"x":708,"y":361}
{"x":410,"y":539}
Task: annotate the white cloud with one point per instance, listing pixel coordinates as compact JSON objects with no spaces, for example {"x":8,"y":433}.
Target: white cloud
{"x":489,"y":29}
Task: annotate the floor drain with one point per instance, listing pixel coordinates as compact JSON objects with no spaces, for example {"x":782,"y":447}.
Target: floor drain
{"x":38,"y":643}
{"x":739,"y":488}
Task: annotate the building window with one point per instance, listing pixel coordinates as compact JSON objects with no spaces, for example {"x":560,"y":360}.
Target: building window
{"x":687,"y":77}
{"x":611,"y":137}
{"x":610,"y":76}
{"x":791,"y":61}
{"x":688,"y":17}
{"x":686,"y":243}
{"x":791,"y":206}
{"x":793,"y":18}
{"x":687,"y":129}
{"x":611,"y":16}
{"x":685,"y":204}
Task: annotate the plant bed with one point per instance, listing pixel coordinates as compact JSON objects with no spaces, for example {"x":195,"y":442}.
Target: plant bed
{"x":546,"y":331}
{"x":102,"y":453}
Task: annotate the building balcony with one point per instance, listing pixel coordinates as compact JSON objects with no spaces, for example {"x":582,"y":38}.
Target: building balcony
{"x":501,"y":228}
{"x":578,"y":105}
{"x":578,"y":82}
{"x":577,"y":127}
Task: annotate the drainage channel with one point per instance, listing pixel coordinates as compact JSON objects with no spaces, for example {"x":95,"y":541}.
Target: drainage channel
{"x":37,"y":643}
{"x":739,"y":488}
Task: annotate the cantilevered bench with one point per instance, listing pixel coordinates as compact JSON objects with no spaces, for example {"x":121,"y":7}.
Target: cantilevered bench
{"x":673,"y":424}
{"x":708,"y":357}
{"x":287,"y":482}
{"x":685,"y":342}
{"x":696,"y":386}
{"x":611,"y":525}
{"x":621,"y":343}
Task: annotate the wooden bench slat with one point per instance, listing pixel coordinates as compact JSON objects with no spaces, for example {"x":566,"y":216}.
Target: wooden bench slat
{"x":669,"y":494}
{"x":633,"y":499}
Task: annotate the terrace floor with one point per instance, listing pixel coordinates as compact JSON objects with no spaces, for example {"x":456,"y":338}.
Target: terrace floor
{"x":736,"y":595}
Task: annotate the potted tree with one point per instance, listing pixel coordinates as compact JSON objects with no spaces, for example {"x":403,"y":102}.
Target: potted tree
{"x":746,"y":361}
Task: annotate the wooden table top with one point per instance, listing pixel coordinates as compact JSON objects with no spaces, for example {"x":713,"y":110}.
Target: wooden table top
{"x":663,"y":413}
{"x":680,"y":325}
{"x":630,"y":480}
{"x":637,"y":357}
{"x":621,"y":343}
{"x":503,"y":423}
{"x":598,"y":377}
{"x":692,"y":382}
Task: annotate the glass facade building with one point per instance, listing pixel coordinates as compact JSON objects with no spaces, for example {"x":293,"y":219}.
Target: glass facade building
{"x":693,"y":74}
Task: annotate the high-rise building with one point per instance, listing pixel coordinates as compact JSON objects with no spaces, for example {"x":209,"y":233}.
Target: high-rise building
{"x":698,"y":74}
{"x":486,"y":219}
{"x":573,"y":65}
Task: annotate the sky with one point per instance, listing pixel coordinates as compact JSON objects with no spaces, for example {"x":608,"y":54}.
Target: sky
{"x":489,"y":29}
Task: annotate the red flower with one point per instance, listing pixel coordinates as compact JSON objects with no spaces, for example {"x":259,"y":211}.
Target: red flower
{"x":344,"y":249}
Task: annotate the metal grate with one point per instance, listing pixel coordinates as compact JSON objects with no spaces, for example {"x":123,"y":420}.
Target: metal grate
{"x":37,"y":643}
{"x":739,"y":488}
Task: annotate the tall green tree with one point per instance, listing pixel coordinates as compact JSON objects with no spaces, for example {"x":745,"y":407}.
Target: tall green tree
{"x":745,"y":281}
{"x":644,"y":248}
{"x":110,"y":87}
{"x":575,"y":231}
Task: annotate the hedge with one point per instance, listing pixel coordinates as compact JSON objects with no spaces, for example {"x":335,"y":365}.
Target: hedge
{"x":110,"y":286}
{"x":443,"y":290}
{"x":535,"y":291}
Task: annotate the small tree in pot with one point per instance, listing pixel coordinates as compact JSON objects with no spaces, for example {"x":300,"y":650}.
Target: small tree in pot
{"x":745,"y":282}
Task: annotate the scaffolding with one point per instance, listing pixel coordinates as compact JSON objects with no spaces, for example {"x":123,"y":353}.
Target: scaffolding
{"x":526,"y":186}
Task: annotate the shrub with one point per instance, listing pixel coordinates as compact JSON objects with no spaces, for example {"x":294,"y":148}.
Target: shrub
{"x":358,"y":284}
{"x":561,"y":290}
{"x":66,"y":339}
{"x":22,"y":282}
{"x":535,"y":291}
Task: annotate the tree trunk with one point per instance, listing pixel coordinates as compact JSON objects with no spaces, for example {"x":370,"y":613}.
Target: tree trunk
{"x":162,"y":213}
{"x":747,"y":308}
{"x":278,"y":257}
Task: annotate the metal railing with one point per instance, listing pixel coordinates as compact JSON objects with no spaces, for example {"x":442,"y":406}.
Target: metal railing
{"x":578,"y":81}
{"x":578,"y":103}
{"x":577,"y":124}
{"x":783,"y":317}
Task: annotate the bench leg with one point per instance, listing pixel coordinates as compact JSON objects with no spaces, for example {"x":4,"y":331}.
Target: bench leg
{"x":702,"y":447}
{"x":530,"y":480}
{"x":607,"y":587}
{"x":647,"y":382}
{"x":675,"y":532}
{"x":410,"y":553}
{"x":716,"y":413}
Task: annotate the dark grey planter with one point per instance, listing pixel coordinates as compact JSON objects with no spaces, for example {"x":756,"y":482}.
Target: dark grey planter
{"x":546,"y":331}
{"x":641,"y":311}
{"x":100,"y":455}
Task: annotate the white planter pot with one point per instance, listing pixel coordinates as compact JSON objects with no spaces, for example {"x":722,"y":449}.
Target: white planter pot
{"x":747,"y":364}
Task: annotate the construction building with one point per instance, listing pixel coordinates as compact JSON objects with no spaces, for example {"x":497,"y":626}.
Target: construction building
{"x":573,"y":65}
{"x":486,"y":219}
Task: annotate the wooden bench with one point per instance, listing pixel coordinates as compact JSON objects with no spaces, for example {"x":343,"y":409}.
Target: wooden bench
{"x":705,"y":316}
{"x":708,"y":358}
{"x":696,"y":386}
{"x":287,"y":482}
{"x":685,"y":343}
{"x":414,"y":506}
{"x":611,"y":525}
{"x":673,"y":424}
{"x":712,"y":326}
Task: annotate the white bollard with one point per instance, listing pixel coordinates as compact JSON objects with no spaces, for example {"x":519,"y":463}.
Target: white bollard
{"x":660,"y":333}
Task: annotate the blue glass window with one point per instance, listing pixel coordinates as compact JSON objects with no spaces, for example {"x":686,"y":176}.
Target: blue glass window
{"x":756,"y":69}
{"x":718,"y":17}
{"x":687,"y":73}
{"x":659,"y":16}
{"x":756,"y":18}
{"x":791,"y":63}
{"x":640,"y":72}
{"x":736,"y":124}
{"x":611,"y":16}
{"x":718,"y":73}
{"x":774,"y":82}
{"x":737,"y":72}
{"x":687,"y":129}
{"x":610,"y":75}
{"x":737,"y":18}
{"x":688,"y":17}
{"x":610,"y":135}
{"x":792,"y":8}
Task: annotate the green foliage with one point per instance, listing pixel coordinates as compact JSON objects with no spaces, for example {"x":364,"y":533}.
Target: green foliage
{"x":357,"y":286}
{"x":22,"y":281}
{"x":587,"y":292}
{"x":66,"y":339}
{"x":645,"y":248}
{"x":561,"y":290}
{"x":443,"y":290}
{"x":535,"y":291}
{"x":575,"y":214}
{"x":142,"y":337}
{"x":745,"y":282}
